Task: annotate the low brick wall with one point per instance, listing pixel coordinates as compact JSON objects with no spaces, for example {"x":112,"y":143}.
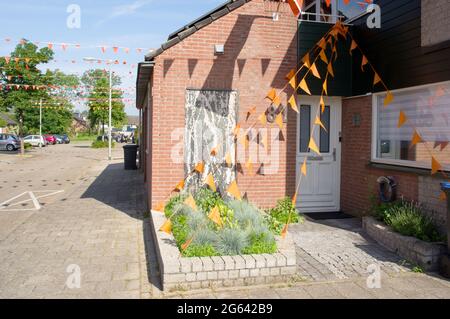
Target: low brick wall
{"x":426,"y":255}
{"x":181,"y":273}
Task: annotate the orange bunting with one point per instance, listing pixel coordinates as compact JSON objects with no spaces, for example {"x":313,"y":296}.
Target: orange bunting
{"x":179,"y":186}
{"x":228,"y":159}
{"x":187,"y":244}
{"x":293,"y":103}
{"x":214,"y":215}
{"x":306,"y":61}
{"x":200,"y":167}
{"x":293,"y":82}
{"x":304,"y":168}
{"x":272,"y":94}
{"x":276,"y":101}
{"x":291,"y":74}
{"x":210,"y":182}
{"x":353,"y":47}
{"x":363,"y":62}
{"x":322,"y":104}
{"x":251,"y":111}
{"x":325,"y":87}
{"x":304,"y":86}
{"x":376,"y":79}
{"x":416,"y":139}
{"x":435,"y":166}
{"x":190,"y":201}
{"x":215,"y":151}
{"x":330,"y":69}
{"x":160,"y":207}
{"x":166,"y":227}
{"x":314,"y":71}
{"x":389,"y":98}
{"x":402,"y":118}
{"x":263,"y":119}
{"x":244,"y":141}
{"x":323,"y":57}
{"x":313,"y":146}
{"x":236,"y":130}
{"x":249,"y":166}
{"x":279,"y":120}
{"x":233,"y":189}
{"x":319,"y":122}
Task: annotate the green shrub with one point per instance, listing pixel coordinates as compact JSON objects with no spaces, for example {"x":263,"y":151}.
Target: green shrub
{"x":274,"y":225}
{"x":27,"y":146}
{"x":285,"y":212}
{"x":261,"y":244}
{"x":408,"y":219}
{"x":102,"y":144}
{"x":206,"y":199}
{"x":232,"y":241}
{"x":173,"y":201}
{"x":200,"y":250}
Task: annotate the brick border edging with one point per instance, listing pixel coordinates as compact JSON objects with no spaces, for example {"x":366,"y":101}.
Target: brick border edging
{"x":182,"y":273}
{"x":426,"y":255}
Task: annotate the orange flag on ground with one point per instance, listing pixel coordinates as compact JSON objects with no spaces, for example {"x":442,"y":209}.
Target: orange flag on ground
{"x":363,"y":62}
{"x":314,"y":71}
{"x":214,"y":215}
{"x":166,"y":227}
{"x":233,"y":189}
{"x":179,"y":186}
{"x":304,"y":168}
{"x":402,"y":118}
{"x":304,"y":86}
{"x":272,"y":94}
{"x":187,"y":244}
{"x":376,"y":79}
{"x":190,"y":201}
{"x":313,"y":146}
{"x":323,"y":57}
{"x":416,"y":139}
{"x":389,"y":98}
{"x":160,"y":207}
{"x":200,"y":168}
{"x":293,"y":103}
{"x":263,"y":119}
{"x":435,"y":166}
{"x":210,"y":182}
{"x":279,"y":120}
{"x":319,"y":122}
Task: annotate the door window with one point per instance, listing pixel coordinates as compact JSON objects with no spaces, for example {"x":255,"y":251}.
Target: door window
{"x":325,"y":133}
{"x":305,"y":128}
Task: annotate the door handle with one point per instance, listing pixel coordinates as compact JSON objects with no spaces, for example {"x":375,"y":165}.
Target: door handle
{"x":334,"y":154}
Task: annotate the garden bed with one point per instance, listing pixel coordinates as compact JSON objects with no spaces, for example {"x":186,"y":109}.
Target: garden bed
{"x":425,"y":254}
{"x":184,"y":273}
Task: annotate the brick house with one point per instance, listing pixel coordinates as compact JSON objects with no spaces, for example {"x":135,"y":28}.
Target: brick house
{"x":211,"y":72}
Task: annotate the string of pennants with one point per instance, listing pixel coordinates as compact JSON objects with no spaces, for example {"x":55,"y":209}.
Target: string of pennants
{"x":330,"y":39}
{"x":64,"y":46}
{"x":78,"y":89}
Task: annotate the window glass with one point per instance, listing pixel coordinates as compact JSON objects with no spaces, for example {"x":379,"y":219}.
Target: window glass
{"x":427,"y":110}
{"x":325,"y":134}
{"x":305,"y":128}
{"x":352,"y":9}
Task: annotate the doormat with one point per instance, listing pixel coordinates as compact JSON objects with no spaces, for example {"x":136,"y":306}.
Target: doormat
{"x":326,"y":216}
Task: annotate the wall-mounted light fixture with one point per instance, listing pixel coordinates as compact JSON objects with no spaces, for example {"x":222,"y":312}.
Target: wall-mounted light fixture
{"x":219,"y":49}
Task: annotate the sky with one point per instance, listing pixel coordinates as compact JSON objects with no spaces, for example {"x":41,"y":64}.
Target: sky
{"x":132,"y":24}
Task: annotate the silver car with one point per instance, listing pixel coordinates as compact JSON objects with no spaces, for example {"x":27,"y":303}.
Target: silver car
{"x":9,"y":142}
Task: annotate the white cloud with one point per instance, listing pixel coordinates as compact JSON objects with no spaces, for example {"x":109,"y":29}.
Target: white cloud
{"x":125,"y":10}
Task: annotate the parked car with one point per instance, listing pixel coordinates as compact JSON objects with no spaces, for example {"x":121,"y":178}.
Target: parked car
{"x":35,"y":140}
{"x":50,"y":139}
{"x":65,"y":138}
{"x":59,"y":139}
{"x":9,"y":142}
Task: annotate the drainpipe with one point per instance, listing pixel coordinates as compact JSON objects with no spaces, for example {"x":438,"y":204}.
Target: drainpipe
{"x":445,"y":262}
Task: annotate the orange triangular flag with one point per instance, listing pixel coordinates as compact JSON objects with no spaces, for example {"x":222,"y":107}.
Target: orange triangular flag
{"x":190,"y":201}
{"x":210,"y":182}
{"x":166,"y":227}
{"x":293,"y":103}
{"x":214,"y":215}
{"x":330,"y":69}
{"x":443,"y":196}
{"x":363,"y":62}
{"x":323,"y":57}
{"x":313,"y":146}
{"x":304,"y":86}
{"x":293,"y":82}
{"x":187,"y":244}
{"x":179,"y":186}
{"x":435,"y":166}
{"x":376,"y":79}
{"x":322,"y":104}
{"x":276,"y":101}
{"x":200,"y":167}
{"x":353,"y":47}
{"x":322,"y":44}
{"x":228,"y":159}
{"x":263,"y":119}
{"x":272,"y":94}
{"x":319,"y":122}
{"x":215,"y":151}
{"x":279,"y":120}
{"x":233,"y":189}
{"x":402,"y":119}
{"x":389,"y":98}
{"x":325,"y":87}
{"x":291,"y":74}
{"x":160,"y":207}
{"x":314,"y":71}
{"x":416,"y":139}
{"x":304,"y":168}
{"x":306,"y":61}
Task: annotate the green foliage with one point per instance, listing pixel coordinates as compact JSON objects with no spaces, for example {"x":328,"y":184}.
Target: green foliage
{"x":285,"y":212}
{"x":418,"y":270}
{"x":206,"y":199}
{"x":173,"y":201}
{"x":261,"y":244}
{"x":83,"y":137}
{"x":102,"y":144}
{"x":27,"y":146}
{"x":408,"y":219}
{"x":3,"y":123}
{"x":274,"y":225}
{"x":232,"y":241}
{"x":206,"y":250}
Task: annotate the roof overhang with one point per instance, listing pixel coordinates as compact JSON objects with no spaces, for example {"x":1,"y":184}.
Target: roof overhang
{"x":145,"y":70}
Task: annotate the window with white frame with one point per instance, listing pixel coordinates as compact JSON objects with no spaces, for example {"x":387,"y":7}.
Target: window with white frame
{"x":320,"y":11}
{"x":427,"y":110}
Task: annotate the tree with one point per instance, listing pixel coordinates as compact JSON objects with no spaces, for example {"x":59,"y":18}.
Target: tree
{"x":97,"y":82}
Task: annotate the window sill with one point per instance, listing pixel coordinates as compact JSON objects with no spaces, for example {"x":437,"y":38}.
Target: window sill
{"x":401,"y":168}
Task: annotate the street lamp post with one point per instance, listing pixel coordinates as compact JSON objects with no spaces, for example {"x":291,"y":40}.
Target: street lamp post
{"x":108,"y":62}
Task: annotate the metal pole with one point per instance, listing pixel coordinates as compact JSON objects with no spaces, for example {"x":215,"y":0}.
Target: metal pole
{"x":40,"y":122}
{"x":110,"y":115}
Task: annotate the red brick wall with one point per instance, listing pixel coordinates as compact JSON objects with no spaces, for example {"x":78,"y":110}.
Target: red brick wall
{"x":267,"y":50}
{"x":359,"y":180}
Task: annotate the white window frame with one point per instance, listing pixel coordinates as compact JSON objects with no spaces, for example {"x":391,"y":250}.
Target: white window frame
{"x":374,"y":142}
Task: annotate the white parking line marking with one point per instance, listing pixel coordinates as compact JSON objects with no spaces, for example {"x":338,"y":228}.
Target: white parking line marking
{"x":4,"y":207}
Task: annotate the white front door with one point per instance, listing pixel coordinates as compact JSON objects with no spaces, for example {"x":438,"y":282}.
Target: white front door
{"x":319,"y":190}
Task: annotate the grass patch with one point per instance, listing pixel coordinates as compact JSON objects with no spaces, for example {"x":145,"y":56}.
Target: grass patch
{"x":102,"y":144}
{"x":83,"y":137}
